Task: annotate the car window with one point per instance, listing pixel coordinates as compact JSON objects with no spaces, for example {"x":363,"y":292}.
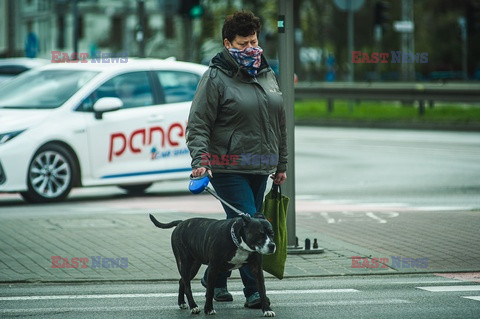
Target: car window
{"x":178,"y":86}
{"x":42,"y":89}
{"x":132,"y":88}
{"x":12,"y":69}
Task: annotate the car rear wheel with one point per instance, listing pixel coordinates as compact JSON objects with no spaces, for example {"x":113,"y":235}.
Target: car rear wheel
{"x":135,"y":189}
{"x":50,"y":175}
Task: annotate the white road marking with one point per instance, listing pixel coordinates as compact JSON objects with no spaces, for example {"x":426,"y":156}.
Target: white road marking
{"x":425,"y":282}
{"x":477,"y":298}
{"x":167,"y":295}
{"x":451,"y":288}
{"x":392,"y":214}
{"x":330,"y":220}
{"x":375,"y":217}
{"x":173,"y":307}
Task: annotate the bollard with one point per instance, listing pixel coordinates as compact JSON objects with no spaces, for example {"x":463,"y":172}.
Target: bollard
{"x":307,"y":244}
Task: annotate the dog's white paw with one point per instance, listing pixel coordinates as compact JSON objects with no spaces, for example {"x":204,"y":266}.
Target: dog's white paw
{"x":269,"y":313}
{"x":212,"y":312}
{"x":195,"y":311}
{"x":183,"y":306}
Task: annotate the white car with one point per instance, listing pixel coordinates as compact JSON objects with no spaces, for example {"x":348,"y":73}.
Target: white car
{"x":67,"y":125}
{"x":11,"y":67}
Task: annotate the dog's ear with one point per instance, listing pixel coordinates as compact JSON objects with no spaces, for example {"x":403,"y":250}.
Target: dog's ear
{"x":259,"y":215}
{"x":246,"y":219}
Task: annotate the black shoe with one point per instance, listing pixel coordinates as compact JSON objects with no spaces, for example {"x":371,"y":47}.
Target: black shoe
{"x":253,"y":301}
{"x":219,"y":294}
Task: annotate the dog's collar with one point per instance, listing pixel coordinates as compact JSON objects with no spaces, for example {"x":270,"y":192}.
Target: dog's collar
{"x":238,"y":242}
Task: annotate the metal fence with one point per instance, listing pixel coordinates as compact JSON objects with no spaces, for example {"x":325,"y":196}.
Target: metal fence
{"x":405,"y":92}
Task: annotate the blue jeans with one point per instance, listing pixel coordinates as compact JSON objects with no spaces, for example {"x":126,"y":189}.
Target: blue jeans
{"x":245,"y":192}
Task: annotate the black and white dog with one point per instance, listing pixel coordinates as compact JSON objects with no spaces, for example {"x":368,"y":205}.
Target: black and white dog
{"x":223,"y":245}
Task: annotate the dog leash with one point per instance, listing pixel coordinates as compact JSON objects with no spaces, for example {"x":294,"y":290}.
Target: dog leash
{"x":200,"y":183}
{"x":214,"y":194}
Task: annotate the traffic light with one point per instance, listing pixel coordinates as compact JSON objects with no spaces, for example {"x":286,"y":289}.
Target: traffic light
{"x":381,"y":14}
{"x":191,"y":8}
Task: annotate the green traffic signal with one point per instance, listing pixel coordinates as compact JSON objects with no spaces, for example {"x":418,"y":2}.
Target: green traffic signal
{"x":196,"y":11}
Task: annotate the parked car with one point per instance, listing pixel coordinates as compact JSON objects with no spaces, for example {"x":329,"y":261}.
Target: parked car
{"x":90,"y":124}
{"x":12,"y":67}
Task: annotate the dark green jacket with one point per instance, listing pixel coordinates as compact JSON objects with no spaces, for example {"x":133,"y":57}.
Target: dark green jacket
{"x":237,"y":122}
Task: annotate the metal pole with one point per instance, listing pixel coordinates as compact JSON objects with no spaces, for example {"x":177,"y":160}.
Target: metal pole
{"x":351,"y":73}
{"x":11,"y":30}
{"x":411,"y":41}
{"x":141,"y":26}
{"x":286,"y":61}
{"x":408,"y":41}
{"x":75,"y":25}
{"x":462,"y":22}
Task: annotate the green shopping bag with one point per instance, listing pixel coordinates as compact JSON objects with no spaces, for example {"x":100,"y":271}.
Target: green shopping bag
{"x":275,"y":208}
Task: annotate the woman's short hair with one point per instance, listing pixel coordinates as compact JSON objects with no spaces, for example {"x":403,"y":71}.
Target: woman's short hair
{"x":242,"y":23}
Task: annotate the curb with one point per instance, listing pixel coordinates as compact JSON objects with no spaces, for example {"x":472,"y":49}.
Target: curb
{"x":461,"y":127}
{"x":126,"y":281}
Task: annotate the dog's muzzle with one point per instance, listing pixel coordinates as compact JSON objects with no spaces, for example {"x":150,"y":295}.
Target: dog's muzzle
{"x":271,"y":248}
{"x":268,"y":248}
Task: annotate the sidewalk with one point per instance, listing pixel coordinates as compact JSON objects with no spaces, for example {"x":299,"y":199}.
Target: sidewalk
{"x":121,"y":229}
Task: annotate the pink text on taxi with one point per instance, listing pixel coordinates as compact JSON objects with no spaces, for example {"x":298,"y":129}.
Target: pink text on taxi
{"x":122,"y":142}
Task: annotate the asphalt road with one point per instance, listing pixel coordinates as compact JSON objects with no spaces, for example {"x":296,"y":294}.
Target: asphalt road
{"x":419,"y":168}
{"x":383,"y":166}
{"x":367,"y":192}
{"x":424,"y":296}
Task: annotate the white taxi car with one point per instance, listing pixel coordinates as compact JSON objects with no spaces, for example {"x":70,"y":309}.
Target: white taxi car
{"x":68,"y":125}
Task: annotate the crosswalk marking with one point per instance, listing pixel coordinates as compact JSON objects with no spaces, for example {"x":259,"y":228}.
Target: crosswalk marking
{"x":166,"y":295}
{"x":477,"y":298}
{"x":34,"y":311}
{"x":451,"y":288}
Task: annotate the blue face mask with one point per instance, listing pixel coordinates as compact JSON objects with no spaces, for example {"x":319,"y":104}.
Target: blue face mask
{"x":249,"y":58}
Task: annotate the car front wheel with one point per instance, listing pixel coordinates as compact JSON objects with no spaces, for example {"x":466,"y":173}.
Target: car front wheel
{"x":50,"y":175}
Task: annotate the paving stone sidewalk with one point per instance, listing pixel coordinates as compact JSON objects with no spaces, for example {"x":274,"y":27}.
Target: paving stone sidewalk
{"x":122,"y":231}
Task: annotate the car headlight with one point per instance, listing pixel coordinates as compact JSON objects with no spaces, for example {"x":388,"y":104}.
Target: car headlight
{"x":5,"y":137}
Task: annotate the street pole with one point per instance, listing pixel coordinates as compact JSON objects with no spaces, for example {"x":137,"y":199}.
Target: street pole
{"x":350,"y":25}
{"x":75,"y":25}
{"x":378,"y":35}
{"x":140,"y":36}
{"x":286,"y":62}
{"x":408,"y":41}
{"x":462,"y":22}
{"x":351,"y":73}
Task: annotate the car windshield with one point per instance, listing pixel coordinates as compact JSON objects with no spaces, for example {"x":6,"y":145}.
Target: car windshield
{"x":45,"y":89}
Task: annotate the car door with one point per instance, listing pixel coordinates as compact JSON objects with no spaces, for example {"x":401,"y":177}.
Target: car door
{"x":144,"y":141}
{"x":169,"y":149}
{"x":118,"y":149}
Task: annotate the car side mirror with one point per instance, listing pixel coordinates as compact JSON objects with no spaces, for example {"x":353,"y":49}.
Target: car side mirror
{"x":106,"y":104}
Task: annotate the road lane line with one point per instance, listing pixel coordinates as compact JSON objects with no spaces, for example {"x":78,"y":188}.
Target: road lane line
{"x":477,"y":298}
{"x":60,"y":309}
{"x":426,"y":282}
{"x":451,"y":288}
{"x":375,"y":217}
{"x":167,"y":295}
{"x":330,"y":220}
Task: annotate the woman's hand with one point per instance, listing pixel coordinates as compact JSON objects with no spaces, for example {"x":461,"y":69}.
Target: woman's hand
{"x":199,"y":171}
{"x":279,"y":177}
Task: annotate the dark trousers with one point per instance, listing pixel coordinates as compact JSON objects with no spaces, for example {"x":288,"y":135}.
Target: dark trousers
{"x":245,"y":192}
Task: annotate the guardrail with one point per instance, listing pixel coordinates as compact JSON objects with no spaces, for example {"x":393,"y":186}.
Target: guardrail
{"x":409,"y":92}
